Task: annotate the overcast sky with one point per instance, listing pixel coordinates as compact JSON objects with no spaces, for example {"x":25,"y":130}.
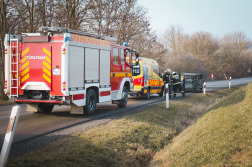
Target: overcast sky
{"x":218,"y":17}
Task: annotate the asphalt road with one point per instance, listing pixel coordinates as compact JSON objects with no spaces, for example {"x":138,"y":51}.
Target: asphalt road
{"x":225,"y":83}
{"x":35,"y":124}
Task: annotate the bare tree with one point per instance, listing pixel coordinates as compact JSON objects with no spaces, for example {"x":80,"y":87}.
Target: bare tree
{"x":234,"y":57}
{"x":74,"y":13}
{"x":174,"y":39}
{"x":6,"y":21}
{"x":187,"y":63}
{"x":121,"y":19}
{"x":103,"y":16}
{"x":235,"y":44}
{"x":202,"y":45}
{"x":147,"y":46}
{"x":144,"y":43}
{"x":134,"y":22}
{"x":26,"y":12}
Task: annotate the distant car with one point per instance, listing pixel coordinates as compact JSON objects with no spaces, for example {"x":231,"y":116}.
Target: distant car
{"x":194,"y":82}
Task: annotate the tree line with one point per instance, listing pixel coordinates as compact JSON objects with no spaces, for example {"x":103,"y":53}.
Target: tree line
{"x":123,"y":19}
{"x":201,"y":52}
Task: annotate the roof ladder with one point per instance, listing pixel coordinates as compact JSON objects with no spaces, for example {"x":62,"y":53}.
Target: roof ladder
{"x":60,"y":29}
{"x":14,"y":68}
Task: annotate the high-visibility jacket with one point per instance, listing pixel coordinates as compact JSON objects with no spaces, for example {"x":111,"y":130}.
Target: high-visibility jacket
{"x":176,"y":79}
{"x":183,"y":78}
{"x":167,"y":78}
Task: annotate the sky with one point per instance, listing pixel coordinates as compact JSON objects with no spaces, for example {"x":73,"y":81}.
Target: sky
{"x":219,"y":17}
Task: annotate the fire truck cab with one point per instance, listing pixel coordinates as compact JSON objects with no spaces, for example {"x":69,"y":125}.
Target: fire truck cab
{"x":66,"y":67}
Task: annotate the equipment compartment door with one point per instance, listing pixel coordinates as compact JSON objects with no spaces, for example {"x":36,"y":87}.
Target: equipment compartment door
{"x":35,"y":66}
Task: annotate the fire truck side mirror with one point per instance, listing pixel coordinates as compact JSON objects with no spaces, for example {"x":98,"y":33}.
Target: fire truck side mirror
{"x":135,"y":59}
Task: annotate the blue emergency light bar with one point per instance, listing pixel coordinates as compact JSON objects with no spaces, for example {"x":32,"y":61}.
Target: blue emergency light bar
{"x":125,"y":44}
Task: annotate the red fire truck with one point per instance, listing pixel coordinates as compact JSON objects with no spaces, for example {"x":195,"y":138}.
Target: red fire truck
{"x":60,"y":66}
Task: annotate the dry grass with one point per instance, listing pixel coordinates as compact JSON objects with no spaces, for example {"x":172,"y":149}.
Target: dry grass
{"x":6,"y":102}
{"x":130,"y":141}
{"x":222,"y":137}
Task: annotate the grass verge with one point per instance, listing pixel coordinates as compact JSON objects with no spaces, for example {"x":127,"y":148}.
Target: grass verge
{"x":222,"y":137}
{"x":141,"y":139}
{"x":5,"y":102}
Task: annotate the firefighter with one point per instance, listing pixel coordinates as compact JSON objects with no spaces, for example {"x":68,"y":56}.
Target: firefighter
{"x":183,"y":80}
{"x":176,"y":83}
{"x":172,"y":81}
{"x":168,"y":79}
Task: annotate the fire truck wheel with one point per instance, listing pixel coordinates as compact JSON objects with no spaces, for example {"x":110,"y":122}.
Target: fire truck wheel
{"x":43,"y":108}
{"x":91,"y":100}
{"x":124,"y":99}
{"x":147,"y":96}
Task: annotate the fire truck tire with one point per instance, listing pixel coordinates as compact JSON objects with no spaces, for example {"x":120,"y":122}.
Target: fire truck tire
{"x":124,"y":99}
{"x":147,"y":95}
{"x":43,"y":108}
{"x":91,"y":101}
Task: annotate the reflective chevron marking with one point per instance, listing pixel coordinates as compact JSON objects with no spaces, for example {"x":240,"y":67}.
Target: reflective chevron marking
{"x":25,"y":65}
{"x":48,"y":59}
{"x":46,"y":71}
{"x":25,"y":51}
{"x":25,"y":78}
{"x":47,"y":78}
{"x":25,"y":71}
{"x":47,"y":65}
{"x":23,"y":59}
{"x":46,"y":51}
